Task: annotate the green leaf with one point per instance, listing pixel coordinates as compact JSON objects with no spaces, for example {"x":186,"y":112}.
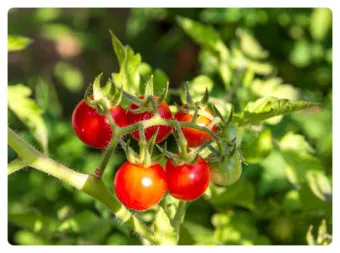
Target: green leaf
{"x":118,"y":48}
{"x":309,"y":236}
{"x":69,"y":76}
{"x":301,"y":54}
{"x":28,"y":112}
{"x":203,"y":35}
{"x":257,"y":145}
{"x":17,"y":43}
{"x":267,"y":107}
{"x":250,"y":46}
{"x":129,"y":76}
{"x":321,"y":22}
{"x":242,"y":194}
{"x":23,"y":237}
{"x":297,"y":153}
{"x":291,"y":201}
{"x":196,"y":234}
{"x":273,"y":177}
{"x":34,"y":222}
{"x":273,"y":87}
{"x":88,"y":224}
{"x":319,"y":184}
{"x":234,"y":228}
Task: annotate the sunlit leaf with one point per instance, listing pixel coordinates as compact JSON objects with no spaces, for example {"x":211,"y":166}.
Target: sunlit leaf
{"x":129,"y":76}
{"x":273,"y":87}
{"x":297,"y":153}
{"x":69,"y":76}
{"x":17,"y":43}
{"x":204,"y":35}
{"x":268,"y":107}
{"x":292,"y":201}
{"x":250,"y":46}
{"x":321,"y":23}
{"x":319,"y":184}
{"x":28,"y":112}
{"x":23,"y":237}
{"x":301,"y":54}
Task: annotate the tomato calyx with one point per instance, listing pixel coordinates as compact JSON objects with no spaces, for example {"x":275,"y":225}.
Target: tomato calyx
{"x":145,"y":157}
{"x":103,"y":97}
{"x":149,"y":102}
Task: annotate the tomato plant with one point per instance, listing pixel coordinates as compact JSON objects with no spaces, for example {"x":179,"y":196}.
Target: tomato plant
{"x":187,"y":181}
{"x":93,"y":128}
{"x":208,"y":159}
{"x":140,"y":188}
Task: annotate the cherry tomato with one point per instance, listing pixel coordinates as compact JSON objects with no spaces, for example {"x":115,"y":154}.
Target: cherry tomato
{"x":94,"y":129}
{"x":163,"y":132}
{"x":187,"y":181}
{"x":225,"y":172}
{"x":140,"y":188}
{"x":194,"y":136}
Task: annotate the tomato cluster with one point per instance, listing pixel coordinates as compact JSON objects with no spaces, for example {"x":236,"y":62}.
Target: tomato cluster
{"x":137,"y":186}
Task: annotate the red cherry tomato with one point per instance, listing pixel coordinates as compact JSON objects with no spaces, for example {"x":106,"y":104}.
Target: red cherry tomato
{"x":194,"y":136}
{"x":187,"y":181}
{"x":140,"y":188}
{"x":163,"y":132}
{"x":94,"y":129}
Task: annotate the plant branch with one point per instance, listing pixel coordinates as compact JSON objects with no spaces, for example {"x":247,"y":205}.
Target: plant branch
{"x":83,"y":182}
{"x":16,"y":165}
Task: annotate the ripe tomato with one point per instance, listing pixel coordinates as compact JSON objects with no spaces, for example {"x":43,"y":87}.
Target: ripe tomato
{"x":187,"y":181}
{"x":94,"y":129}
{"x":194,"y":136}
{"x":163,"y":132}
{"x":225,"y":172}
{"x":140,"y":188}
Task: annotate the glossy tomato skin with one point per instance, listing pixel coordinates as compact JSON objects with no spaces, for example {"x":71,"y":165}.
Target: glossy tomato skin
{"x":187,"y":181}
{"x":194,"y":136}
{"x":163,"y":132}
{"x":94,"y":129}
{"x":140,"y":188}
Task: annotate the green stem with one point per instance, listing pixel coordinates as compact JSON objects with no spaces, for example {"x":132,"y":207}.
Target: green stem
{"x":83,"y":182}
{"x":112,"y":146}
{"x":179,"y":216}
{"x":16,"y":165}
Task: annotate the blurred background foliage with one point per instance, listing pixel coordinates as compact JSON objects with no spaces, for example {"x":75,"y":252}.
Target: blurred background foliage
{"x":240,"y":54}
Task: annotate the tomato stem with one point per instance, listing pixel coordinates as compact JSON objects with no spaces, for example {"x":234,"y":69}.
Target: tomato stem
{"x":83,"y":182}
{"x":179,"y":217}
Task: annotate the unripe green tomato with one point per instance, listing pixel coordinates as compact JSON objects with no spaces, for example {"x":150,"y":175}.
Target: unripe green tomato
{"x":225,"y":172}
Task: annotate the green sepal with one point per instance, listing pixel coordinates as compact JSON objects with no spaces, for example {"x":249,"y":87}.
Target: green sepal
{"x":149,"y":88}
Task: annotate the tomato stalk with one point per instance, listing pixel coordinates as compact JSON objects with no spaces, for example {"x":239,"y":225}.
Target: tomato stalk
{"x":86,"y":183}
{"x":112,"y":146}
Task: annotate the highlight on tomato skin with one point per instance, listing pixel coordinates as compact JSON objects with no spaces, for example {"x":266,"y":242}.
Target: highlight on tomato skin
{"x":93,"y":128}
{"x":187,"y":181}
{"x":194,"y":136}
{"x":140,"y":188}
{"x":163,"y":131}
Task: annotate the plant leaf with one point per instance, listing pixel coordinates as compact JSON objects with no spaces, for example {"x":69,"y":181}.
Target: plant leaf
{"x":28,"y":112}
{"x":267,"y":107}
{"x":17,"y":43}
{"x":118,"y":48}
{"x":204,"y":35}
{"x":319,"y":184}
{"x":321,"y":22}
